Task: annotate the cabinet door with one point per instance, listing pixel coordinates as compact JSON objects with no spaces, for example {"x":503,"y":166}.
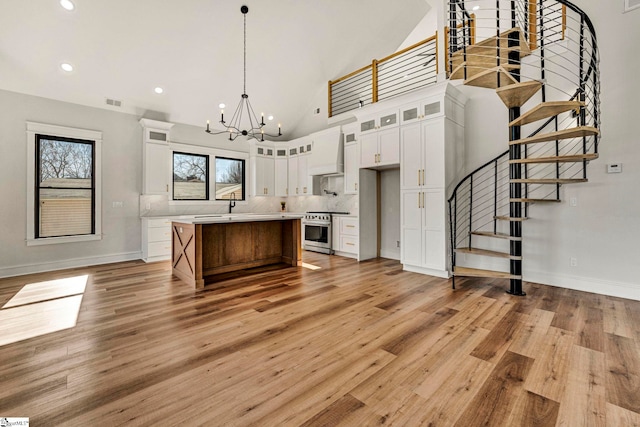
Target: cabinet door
{"x":157,"y":169}
{"x":411,"y":214}
{"x":281,"y":179}
{"x":389,"y":146}
{"x":303,"y":177}
{"x":268,"y":176}
{"x":369,"y":150}
{"x":351,"y":168}
{"x":434,"y":246}
{"x":293,"y":176}
{"x":434,"y":161}
{"x":411,"y":157}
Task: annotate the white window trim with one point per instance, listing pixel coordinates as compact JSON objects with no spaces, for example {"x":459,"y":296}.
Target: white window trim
{"x":628,"y":7}
{"x":65,"y":132}
{"x":182,"y":147}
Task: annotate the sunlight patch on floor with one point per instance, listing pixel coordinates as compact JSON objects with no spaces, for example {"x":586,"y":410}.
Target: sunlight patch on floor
{"x":310,"y":266}
{"x":42,"y":308}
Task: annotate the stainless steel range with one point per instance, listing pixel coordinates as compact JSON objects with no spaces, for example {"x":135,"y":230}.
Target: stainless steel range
{"x":317,"y":231}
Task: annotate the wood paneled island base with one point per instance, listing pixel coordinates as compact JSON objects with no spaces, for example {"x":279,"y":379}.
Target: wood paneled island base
{"x":206,"y":249}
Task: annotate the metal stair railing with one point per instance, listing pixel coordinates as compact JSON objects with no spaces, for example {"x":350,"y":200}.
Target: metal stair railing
{"x":564,"y":57}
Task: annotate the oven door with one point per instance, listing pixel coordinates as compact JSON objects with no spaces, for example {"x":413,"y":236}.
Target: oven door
{"x":317,"y":237}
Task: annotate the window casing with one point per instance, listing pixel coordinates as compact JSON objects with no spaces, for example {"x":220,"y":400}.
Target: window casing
{"x":230,"y":178}
{"x":190,"y":176}
{"x":69,"y":193}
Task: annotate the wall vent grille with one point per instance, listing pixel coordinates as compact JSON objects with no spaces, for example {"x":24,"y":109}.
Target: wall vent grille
{"x":113,"y":102}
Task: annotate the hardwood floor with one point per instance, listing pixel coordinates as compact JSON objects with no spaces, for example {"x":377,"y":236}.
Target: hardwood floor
{"x":351,"y":344}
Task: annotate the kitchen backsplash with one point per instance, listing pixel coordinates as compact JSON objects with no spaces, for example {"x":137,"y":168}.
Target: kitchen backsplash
{"x":160,"y":206}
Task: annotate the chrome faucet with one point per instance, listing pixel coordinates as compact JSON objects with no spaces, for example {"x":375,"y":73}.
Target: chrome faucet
{"x":232,"y":201}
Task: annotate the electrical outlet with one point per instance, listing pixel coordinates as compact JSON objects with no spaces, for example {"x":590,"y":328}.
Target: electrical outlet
{"x":117,"y":204}
{"x":573,"y":262}
{"x":573,"y":201}
{"x":397,"y":243}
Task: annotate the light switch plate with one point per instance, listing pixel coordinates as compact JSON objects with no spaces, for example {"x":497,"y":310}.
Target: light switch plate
{"x":614,"y":168}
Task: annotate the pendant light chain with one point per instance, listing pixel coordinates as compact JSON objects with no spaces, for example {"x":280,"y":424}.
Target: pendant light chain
{"x":245,"y":53}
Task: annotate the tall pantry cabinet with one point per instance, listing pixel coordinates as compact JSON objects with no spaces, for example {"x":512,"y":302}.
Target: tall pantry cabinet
{"x":431,"y":162}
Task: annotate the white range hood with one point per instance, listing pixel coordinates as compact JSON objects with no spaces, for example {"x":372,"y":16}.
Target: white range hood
{"x":328,"y":152}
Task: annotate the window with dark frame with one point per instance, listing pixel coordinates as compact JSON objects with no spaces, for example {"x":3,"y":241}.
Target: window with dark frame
{"x":64,"y":187}
{"x":190,"y":176}
{"x":230,"y":178}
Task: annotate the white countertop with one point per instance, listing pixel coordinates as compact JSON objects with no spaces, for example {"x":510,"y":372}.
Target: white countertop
{"x":239,"y":217}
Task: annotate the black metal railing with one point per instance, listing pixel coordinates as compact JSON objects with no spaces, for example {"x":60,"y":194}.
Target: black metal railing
{"x":409,"y":69}
{"x":564,"y":57}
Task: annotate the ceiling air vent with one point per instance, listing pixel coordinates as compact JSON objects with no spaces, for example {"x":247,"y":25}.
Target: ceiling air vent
{"x":113,"y":102}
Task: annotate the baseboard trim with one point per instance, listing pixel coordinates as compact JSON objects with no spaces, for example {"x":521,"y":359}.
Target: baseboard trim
{"x":585,"y":284}
{"x":20,"y":270}
{"x":390,"y":254}
{"x":422,"y":270}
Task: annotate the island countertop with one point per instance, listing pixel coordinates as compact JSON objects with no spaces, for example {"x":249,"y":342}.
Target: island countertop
{"x":239,"y":217}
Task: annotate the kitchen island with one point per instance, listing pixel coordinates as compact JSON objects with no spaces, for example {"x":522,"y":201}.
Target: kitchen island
{"x":210,"y":245}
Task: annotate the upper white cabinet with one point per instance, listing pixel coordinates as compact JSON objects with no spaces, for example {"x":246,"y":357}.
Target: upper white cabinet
{"x":351,"y":159}
{"x":264,"y":171}
{"x":420,"y":110}
{"x":380,"y":140}
{"x":156,"y":157}
{"x":281,"y":163}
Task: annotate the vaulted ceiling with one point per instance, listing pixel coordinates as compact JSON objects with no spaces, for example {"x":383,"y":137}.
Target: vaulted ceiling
{"x":193,"y":49}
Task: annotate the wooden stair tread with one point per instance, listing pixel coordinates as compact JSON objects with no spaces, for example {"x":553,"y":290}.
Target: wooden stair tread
{"x":474,"y":69}
{"x":549,"y":180}
{"x":573,"y":158}
{"x":495,"y":235}
{"x":488,"y":78}
{"x":508,"y":218}
{"x":528,"y":200}
{"x":517,"y":94}
{"x":476,"y":272}
{"x":577,"y":132}
{"x":545,"y":110}
{"x":486,"y":252}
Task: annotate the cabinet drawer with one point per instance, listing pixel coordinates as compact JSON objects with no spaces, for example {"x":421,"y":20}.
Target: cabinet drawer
{"x":349,"y":226}
{"x":159,"y":234}
{"x":158,"y":222}
{"x":349,"y":244}
{"x":159,"y":249}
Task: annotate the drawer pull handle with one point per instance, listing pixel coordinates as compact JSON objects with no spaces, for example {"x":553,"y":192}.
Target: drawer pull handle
{"x":350,"y":244}
{"x":351,"y":226}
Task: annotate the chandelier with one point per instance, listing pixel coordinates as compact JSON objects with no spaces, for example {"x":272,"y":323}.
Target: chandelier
{"x":237,"y":126}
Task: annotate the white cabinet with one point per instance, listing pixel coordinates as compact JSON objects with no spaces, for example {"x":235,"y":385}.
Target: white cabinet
{"x":156,"y":239}
{"x":431,"y":159}
{"x":345,"y":236}
{"x":300,"y":184}
{"x":380,"y":140}
{"x":156,"y":157}
{"x":281,"y":164}
{"x":264,"y":172}
{"x":351,"y":158}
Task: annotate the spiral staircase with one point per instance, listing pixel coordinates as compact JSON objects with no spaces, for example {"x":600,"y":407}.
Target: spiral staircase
{"x":541,"y":59}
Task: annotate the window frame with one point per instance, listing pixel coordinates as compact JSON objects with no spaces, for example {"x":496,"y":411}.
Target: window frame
{"x":244,"y":178}
{"x":207,"y":175}
{"x":61,"y":132}
{"x":38,"y":170}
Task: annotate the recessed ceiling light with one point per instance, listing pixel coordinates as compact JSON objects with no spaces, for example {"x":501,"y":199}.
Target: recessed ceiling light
{"x":67,"y":4}
{"x":66,"y":67}
{"x":476,"y":7}
{"x":221,"y":105}
{"x":270,"y":117}
{"x":158,"y":90}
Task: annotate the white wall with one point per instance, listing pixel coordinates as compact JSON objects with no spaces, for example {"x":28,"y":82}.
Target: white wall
{"x":121,"y":181}
{"x":603,"y":231}
{"x":390,"y":213}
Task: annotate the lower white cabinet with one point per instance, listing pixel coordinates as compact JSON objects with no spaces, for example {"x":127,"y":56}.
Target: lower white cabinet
{"x":346,"y":236}
{"x":424,"y":245}
{"x":156,"y":239}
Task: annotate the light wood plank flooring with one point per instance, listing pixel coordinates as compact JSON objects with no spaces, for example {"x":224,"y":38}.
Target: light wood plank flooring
{"x":353,"y":344}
